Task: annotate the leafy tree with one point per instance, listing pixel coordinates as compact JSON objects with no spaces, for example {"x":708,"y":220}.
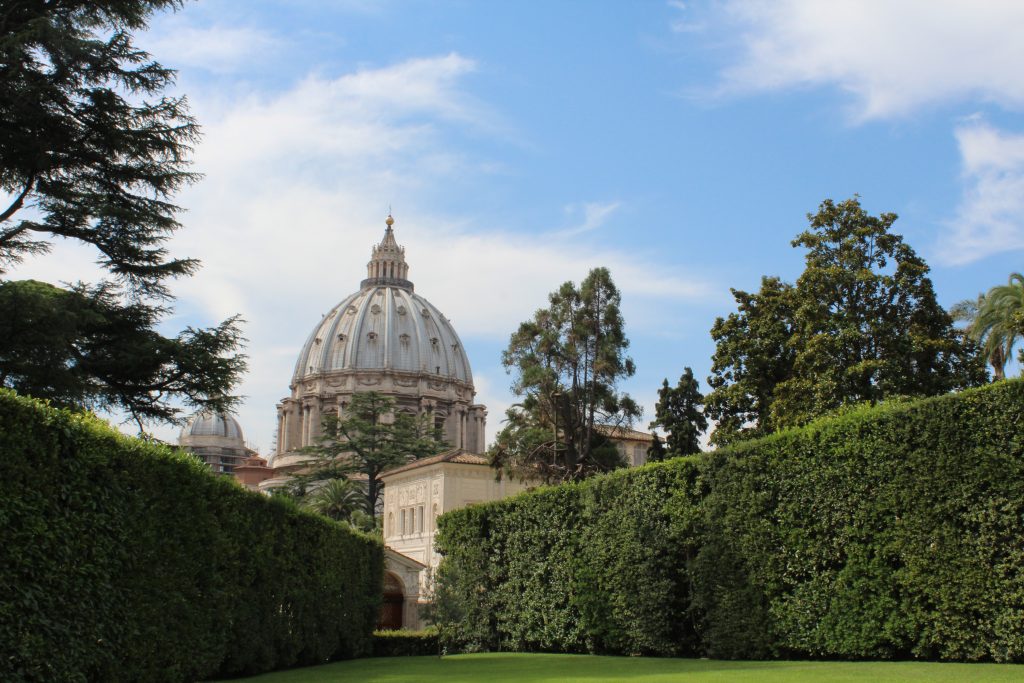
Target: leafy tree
{"x":91,"y":150}
{"x":863,"y":326}
{"x":996,"y":321}
{"x":567,"y":361}
{"x":369,"y":439}
{"x":83,"y":347}
{"x":679,"y":413}
{"x":753,"y":355}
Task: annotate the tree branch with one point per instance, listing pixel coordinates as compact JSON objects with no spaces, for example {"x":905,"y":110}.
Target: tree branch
{"x":14,"y":207}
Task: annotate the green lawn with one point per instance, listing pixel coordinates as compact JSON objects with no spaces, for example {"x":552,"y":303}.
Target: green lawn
{"x":497,"y":667}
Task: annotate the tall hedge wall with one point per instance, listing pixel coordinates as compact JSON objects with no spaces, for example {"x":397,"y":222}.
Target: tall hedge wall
{"x":889,"y":532}
{"x":125,"y":561}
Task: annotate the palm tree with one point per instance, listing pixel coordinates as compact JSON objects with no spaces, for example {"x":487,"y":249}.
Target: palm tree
{"x":996,"y":321}
{"x":337,"y":499}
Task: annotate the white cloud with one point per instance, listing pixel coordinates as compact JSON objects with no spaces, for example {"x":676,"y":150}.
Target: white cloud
{"x":296,"y":187}
{"x":990,"y":217}
{"x":220,"y":49}
{"x":892,"y":56}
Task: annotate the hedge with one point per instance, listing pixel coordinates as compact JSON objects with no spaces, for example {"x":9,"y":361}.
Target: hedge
{"x":122,"y":560}
{"x":888,"y":532}
{"x":403,"y":643}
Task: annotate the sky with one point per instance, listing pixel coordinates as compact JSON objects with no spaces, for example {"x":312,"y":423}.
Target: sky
{"x":520,"y":144}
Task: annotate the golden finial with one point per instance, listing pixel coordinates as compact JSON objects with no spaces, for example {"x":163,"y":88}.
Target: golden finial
{"x":390,"y":221}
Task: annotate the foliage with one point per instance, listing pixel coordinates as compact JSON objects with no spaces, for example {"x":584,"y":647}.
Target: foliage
{"x":679,"y":413}
{"x":406,"y":643}
{"x":83,"y":348}
{"x":894,"y":531}
{"x":91,"y":150}
{"x":369,"y":439}
{"x":337,"y":499}
{"x":595,"y":566}
{"x":567,"y":361}
{"x":82,"y":142}
{"x":656,"y":452}
{"x":753,"y":355}
{"x":127,"y":561}
{"x":861,"y":325}
{"x":996,"y":321}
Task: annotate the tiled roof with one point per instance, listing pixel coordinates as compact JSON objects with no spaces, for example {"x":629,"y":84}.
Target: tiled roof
{"x":625,"y":433}
{"x":456,"y":455}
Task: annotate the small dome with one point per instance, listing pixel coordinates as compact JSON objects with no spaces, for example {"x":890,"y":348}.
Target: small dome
{"x":209,"y":425}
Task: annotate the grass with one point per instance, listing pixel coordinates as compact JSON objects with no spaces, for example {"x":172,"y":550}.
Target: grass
{"x":541,"y":668}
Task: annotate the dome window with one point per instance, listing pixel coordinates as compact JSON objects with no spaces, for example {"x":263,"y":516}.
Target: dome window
{"x":404,"y":338}
{"x":425,"y":313}
{"x":351,"y":310}
{"x":433,"y":342}
{"x":371,"y":336}
{"x":342,"y":337}
{"x":318,"y":341}
{"x":375,"y":309}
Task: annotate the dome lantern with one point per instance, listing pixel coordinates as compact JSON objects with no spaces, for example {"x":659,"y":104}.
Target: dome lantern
{"x":387,"y":266}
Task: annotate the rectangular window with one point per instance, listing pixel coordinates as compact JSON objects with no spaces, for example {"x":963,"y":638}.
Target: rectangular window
{"x":403,"y":522}
{"x":420,"y":527}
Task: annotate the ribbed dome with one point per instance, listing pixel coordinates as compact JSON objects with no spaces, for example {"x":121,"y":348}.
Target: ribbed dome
{"x":208,"y":424}
{"x":384,"y":328}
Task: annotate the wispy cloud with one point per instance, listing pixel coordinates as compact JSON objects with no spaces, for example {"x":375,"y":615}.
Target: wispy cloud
{"x":891,"y":57}
{"x":595,"y":214}
{"x":990,"y":216}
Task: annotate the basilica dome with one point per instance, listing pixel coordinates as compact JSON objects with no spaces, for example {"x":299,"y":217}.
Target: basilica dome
{"x":388,"y":339}
{"x":384,"y":327}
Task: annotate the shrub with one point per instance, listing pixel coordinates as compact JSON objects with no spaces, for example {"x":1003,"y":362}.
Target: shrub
{"x":887,"y":532}
{"x":123,"y":560}
{"x":406,"y":643}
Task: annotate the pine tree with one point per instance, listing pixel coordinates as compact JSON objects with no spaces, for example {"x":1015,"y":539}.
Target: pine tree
{"x":567,"y":361}
{"x":679,"y":413}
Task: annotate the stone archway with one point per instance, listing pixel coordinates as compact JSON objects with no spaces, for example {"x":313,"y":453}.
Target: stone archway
{"x":391,"y":609}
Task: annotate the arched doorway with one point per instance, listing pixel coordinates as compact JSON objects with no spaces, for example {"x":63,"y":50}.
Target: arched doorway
{"x":391,"y":607}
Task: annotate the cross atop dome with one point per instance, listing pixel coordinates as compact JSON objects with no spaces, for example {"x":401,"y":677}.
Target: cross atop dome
{"x":387,"y":264}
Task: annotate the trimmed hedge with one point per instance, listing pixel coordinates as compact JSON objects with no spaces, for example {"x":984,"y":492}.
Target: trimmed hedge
{"x":888,"y":532}
{"x":126,"y":561}
{"x":405,"y":643}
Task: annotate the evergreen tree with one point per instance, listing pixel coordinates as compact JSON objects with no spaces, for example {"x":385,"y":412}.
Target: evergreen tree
{"x":370,"y":438}
{"x":657,"y":452}
{"x":91,"y":150}
{"x":567,"y":361}
{"x":84,"y":347}
{"x":679,"y":413}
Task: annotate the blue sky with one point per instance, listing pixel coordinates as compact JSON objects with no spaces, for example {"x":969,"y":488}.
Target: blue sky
{"x":522,"y":143}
